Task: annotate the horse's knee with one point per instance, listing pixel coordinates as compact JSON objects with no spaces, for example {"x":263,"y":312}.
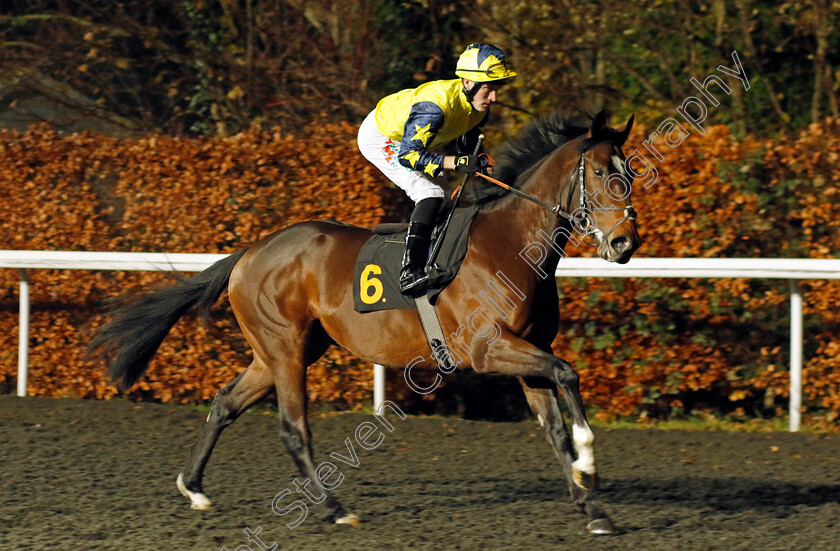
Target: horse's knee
{"x":565,"y":375}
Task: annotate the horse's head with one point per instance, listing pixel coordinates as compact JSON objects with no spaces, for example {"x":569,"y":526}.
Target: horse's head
{"x":575,"y":169}
{"x":601,"y":192}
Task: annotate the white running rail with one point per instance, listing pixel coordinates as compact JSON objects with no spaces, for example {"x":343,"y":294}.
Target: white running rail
{"x":792,"y":269}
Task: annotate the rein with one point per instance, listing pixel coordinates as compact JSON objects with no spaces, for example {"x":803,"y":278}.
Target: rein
{"x":583,"y":221}
{"x":555,"y":209}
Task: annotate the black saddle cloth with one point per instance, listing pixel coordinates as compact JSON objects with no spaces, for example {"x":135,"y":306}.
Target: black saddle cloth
{"x":376,"y":283}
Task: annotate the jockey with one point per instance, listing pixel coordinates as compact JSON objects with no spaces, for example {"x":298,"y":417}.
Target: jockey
{"x":398,"y":135}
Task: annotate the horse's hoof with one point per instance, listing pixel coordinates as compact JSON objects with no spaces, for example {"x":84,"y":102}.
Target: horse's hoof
{"x":198,"y":500}
{"x":602,"y":527}
{"x":587,"y":481}
{"x":350,"y":519}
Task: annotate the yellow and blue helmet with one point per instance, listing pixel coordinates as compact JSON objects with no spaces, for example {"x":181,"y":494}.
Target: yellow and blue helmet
{"x":484,"y":63}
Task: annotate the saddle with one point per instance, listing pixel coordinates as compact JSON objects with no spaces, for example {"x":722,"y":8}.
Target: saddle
{"x":390,"y":229}
{"x":376,"y":275}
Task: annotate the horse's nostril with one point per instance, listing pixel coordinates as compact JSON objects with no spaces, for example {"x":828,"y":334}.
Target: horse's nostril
{"x":620,"y":244}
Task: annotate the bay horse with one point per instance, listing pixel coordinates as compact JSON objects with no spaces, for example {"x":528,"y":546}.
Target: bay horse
{"x":291,"y":294}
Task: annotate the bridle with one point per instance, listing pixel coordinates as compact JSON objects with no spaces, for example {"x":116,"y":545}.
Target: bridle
{"x":585,"y":223}
{"x":583,"y":220}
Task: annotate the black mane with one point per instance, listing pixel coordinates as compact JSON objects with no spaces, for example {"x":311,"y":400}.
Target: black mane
{"x":538,"y":139}
{"x":541,"y":137}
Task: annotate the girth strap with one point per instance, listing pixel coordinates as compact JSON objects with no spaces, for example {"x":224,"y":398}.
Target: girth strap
{"x":434,"y":333}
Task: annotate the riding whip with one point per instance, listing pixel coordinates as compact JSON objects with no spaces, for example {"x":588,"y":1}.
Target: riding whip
{"x":442,"y":232}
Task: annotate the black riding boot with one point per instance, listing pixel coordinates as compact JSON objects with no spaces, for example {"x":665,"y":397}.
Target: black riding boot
{"x":413,"y":277}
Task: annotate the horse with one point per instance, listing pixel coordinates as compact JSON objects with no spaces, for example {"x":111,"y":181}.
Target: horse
{"x":291,"y":294}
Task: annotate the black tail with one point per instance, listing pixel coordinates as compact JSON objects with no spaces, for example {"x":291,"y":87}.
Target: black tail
{"x":138,"y":326}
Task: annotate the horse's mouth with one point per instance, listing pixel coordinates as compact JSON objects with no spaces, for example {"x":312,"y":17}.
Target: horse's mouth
{"x":620,"y":254}
{"x":623,"y":259}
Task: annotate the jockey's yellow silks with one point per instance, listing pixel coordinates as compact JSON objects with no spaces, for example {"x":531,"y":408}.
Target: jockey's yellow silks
{"x":430,"y":115}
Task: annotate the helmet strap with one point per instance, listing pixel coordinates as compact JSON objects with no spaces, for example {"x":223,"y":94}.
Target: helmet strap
{"x":471,"y":93}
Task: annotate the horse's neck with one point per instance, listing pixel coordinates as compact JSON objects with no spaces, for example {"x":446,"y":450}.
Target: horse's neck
{"x":524,"y":223}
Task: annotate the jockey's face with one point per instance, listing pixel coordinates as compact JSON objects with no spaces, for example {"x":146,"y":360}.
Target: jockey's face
{"x":485,"y":96}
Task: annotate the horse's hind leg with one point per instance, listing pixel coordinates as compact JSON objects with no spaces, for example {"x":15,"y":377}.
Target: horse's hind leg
{"x":296,"y":435}
{"x":544,"y":404}
{"x":230,"y":402}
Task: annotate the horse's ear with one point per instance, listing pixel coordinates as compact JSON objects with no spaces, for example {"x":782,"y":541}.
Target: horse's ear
{"x":627,"y":127}
{"x":629,"y":124}
{"x":598,"y":123}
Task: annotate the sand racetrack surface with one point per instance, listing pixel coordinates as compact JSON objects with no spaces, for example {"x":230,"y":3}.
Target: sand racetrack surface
{"x":83,"y":475}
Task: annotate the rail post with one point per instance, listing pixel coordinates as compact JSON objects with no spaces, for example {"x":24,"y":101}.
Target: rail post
{"x":378,"y":386}
{"x":795,"y":406}
{"x":23,"y":336}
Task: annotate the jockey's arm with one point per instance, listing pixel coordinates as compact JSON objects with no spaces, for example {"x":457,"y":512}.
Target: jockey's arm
{"x":424,"y":122}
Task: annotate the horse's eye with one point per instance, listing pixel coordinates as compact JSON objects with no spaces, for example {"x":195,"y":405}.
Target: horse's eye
{"x":599,"y":172}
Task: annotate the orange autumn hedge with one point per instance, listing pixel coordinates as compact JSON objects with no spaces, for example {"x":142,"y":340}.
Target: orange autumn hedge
{"x":660,"y":346}
{"x":643,"y":347}
{"x":159,"y":193}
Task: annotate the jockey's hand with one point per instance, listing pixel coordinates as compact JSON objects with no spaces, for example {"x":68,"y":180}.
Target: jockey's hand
{"x":467,"y":164}
{"x":486,"y":163}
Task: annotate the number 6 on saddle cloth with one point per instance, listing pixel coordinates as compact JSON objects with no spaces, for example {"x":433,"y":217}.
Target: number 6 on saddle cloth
{"x":377,"y":271}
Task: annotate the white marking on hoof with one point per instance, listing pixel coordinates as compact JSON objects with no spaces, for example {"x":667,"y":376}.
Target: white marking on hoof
{"x":583,"y":438}
{"x":541,"y":420}
{"x":350,"y":519}
{"x":198,"y":500}
{"x":588,"y":482}
{"x":602,"y":527}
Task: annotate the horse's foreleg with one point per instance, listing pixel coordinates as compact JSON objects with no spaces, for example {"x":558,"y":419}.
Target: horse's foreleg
{"x":230,"y":402}
{"x":511,"y":355}
{"x":544,"y":404}
{"x":583,"y":468}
